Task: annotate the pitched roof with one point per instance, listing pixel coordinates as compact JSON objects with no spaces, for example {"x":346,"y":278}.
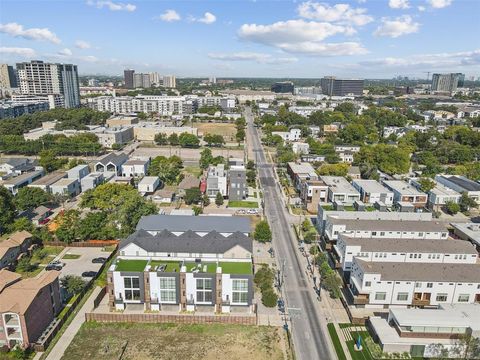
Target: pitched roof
{"x":189,"y":241}
{"x":117,"y":159}
{"x":189,"y":182}
{"x":7,"y":278}
{"x":179,"y":223}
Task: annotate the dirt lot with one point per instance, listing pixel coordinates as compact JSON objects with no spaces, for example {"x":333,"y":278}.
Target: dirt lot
{"x":226,"y":130}
{"x":171,"y":341}
{"x":187,"y":155}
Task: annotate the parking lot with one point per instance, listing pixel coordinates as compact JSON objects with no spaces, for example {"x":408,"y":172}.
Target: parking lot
{"x":82,"y":261}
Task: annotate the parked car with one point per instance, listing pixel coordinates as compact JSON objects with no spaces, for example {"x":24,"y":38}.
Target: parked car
{"x":44,"y":221}
{"x":241,"y":211}
{"x":252,"y":211}
{"x":57,"y":262}
{"x":99,"y":260}
{"x":53,"y":267}
{"x":89,"y":274}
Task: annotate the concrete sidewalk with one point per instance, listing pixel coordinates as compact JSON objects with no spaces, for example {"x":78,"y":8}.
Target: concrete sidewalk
{"x":59,"y":349}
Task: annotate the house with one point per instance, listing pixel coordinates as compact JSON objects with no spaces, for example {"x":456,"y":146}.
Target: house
{"x":237,"y":183}
{"x":300,"y":148}
{"x":27,"y":307}
{"x":440,"y":195}
{"x":164,"y":196}
{"x":13,"y":184}
{"x":468,"y":231}
{"x":91,"y":181}
{"x":78,"y":172}
{"x":401,"y":250}
{"x":184,"y":272}
{"x":354,"y":172}
{"x":135,"y":168}
{"x":11,"y":248}
{"x":37,"y":216}
{"x":111,"y":162}
{"x":313,"y":192}
{"x":148,"y":184}
{"x":177,"y":224}
{"x":340,"y":190}
{"x":461,"y":184}
{"x":48,"y":180}
{"x":17,"y":166}
{"x":68,"y":187}
{"x":291,"y":135}
{"x":385,"y":284}
{"x":300,"y":173}
{"x":425,"y":333}
{"x":406,"y":193}
{"x":217,"y":181}
{"x":188,"y":182}
{"x":372,"y":191}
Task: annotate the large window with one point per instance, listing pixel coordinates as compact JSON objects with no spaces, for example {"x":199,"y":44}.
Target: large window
{"x":168,"y":292}
{"x":463,"y":298}
{"x":442,"y":297}
{"x":132,"y":288}
{"x":380,"y":296}
{"x":403,"y":296}
{"x":239,"y":291}
{"x":204,"y":290}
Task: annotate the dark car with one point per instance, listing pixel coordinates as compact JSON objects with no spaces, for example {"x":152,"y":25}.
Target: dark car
{"x":99,"y":260}
{"x":53,"y":267}
{"x":89,"y":274}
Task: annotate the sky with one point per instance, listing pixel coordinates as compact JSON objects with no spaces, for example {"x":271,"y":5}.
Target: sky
{"x":247,"y":38}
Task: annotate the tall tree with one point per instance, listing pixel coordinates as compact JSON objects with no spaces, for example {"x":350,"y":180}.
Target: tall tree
{"x":7,"y":209}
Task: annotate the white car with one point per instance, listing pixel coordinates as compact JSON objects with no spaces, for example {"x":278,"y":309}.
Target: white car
{"x":252,"y":211}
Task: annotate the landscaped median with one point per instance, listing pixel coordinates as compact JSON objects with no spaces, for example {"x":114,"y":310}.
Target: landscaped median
{"x":336,"y":342}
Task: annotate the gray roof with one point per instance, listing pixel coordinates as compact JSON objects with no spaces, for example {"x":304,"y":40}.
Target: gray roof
{"x":411,"y":245}
{"x":396,"y":271}
{"x":20,"y":163}
{"x":463,"y":182}
{"x":390,"y":225}
{"x":189,"y":242}
{"x":117,"y":159}
{"x":49,"y":179}
{"x":178,"y":223}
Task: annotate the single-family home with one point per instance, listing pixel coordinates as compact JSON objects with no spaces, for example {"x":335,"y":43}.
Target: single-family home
{"x":135,"y":167}
{"x":68,"y":187}
{"x":148,"y":184}
{"x":78,"y":172}
{"x":91,"y":181}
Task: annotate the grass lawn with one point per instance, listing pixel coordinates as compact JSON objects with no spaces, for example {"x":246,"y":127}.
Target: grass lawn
{"x":71,"y":256}
{"x":228,"y":131}
{"x":176,"y":341}
{"x":170,"y":266}
{"x":359,"y":355}
{"x":243,"y":204}
{"x":131,"y":265}
{"x":192,"y":170}
{"x":48,"y":253}
{"x":32,"y":273}
{"x":236,"y":268}
{"x":336,"y":342}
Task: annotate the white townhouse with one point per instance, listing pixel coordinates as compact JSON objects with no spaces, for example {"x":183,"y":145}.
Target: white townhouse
{"x":371,"y":191}
{"x":401,"y":250}
{"x":291,"y":135}
{"x":384,"y":284}
{"x":340,"y":190}
{"x":135,"y":168}
{"x":406,"y":193}
{"x":461,"y":184}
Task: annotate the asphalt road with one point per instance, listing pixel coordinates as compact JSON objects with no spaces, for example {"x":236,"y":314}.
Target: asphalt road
{"x":308,"y":322}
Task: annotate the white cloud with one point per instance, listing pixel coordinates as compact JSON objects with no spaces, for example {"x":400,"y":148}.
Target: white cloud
{"x":396,"y":27}
{"x":17,"y":30}
{"x":65,"y":52}
{"x":398,"y":4}
{"x":207,"y":18}
{"x":340,"y":13}
{"x":303,"y":37}
{"x":169,"y":16}
{"x":421,"y":8}
{"x":26,"y":52}
{"x":81,"y":44}
{"x":252,"y":56}
{"x":113,"y":6}
{"x":439,"y":4}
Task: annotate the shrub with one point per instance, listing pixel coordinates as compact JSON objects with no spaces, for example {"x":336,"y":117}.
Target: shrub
{"x":269,"y":298}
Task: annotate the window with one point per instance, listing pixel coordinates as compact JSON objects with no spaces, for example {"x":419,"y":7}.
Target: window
{"x":132,"y":288}
{"x":168,"y":291}
{"x":418,"y":284}
{"x":380,"y":296}
{"x":429,"y":285}
{"x":403,"y":296}
{"x":463,"y":298}
{"x":374,"y":233}
{"x":368,"y":283}
{"x":442,"y":297}
{"x":239,"y":291}
{"x":204,"y":290}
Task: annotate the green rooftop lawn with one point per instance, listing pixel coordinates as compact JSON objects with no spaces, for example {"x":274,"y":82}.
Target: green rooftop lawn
{"x":171,"y":266}
{"x":131,"y":265}
{"x":244,"y":268}
{"x":211,"y":267}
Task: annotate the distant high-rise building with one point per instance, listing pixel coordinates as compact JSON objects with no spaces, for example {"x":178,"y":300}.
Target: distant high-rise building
{"x":128,"y":78}
{"x":141,"y":80}
{"x":446,"y":82}
{"x":93,"y":82}
{"x":212,"y":80}
{"x":8,"y":76}
{"x":154,"y":78}
{"x":40,"y":78}
{"x":341,"y":87}
{"x":461,"y":79}
{"x":169,"y":81}
{"x":284,"y":87}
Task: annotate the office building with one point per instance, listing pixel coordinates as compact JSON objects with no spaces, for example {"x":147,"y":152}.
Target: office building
{"x":169,"y":81}
{"x":341,"y":87}
{"x":8,"y":76}
{"x":93,"y":82}
{"x":445,"y":82}
{"x":141,"y":80}
{"x":284,"y":87}
{"x":40,"y":78}
{"x":307,"y":90}
{"x":128,"y":78}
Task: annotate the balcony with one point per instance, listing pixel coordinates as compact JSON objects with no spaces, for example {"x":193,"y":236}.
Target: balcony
{"x":420,"y":302}
{"x":12,"y":320}
{"x":360,"y":300}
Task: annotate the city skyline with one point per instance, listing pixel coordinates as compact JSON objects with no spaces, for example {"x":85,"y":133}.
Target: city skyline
{"x":246,"y":38}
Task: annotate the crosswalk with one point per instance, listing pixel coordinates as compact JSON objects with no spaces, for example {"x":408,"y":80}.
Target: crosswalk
{"x":347,"y":331}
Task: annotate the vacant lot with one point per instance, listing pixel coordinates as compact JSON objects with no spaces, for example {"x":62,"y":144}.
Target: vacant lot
{"x":226,"y":130}
{"x":171,"y":341}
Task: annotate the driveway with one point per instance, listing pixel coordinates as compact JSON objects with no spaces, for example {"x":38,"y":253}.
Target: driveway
{"x":83,"y":263}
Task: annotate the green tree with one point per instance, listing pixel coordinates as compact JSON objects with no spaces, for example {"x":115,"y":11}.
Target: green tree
{"x":22,"y":223}
{"x":173,"y":139}
{"x":68,"y":226}
{"x":31,"y":197}
{"x":161,"y":139}
{"x":387,"y":158}
{"x":192,"y":196}
{"x":332,"y":284}
{"x":269,"y":298}
{"x":205,"y":200}
{"x":24,"y":265}
{"x":452,"y":207}
{"x":7,"y":209}
{"x":213,"y":139}
{"x":219,"y":199}
{"x":250,"y":165}
{"x":334,"y":169}
{"x":49,"y":161}
{"x":167,"y":169}
{"x":251,"y":177}
{"x":426,"y":184}
{"x":240,"y":135}
{"x":466,"y":202}
{"x":262,"y":232}
{"x":197,"y":210}
{"x":188,"y":140}
{"x":205,"y":158}
{"x":73,"y":284}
